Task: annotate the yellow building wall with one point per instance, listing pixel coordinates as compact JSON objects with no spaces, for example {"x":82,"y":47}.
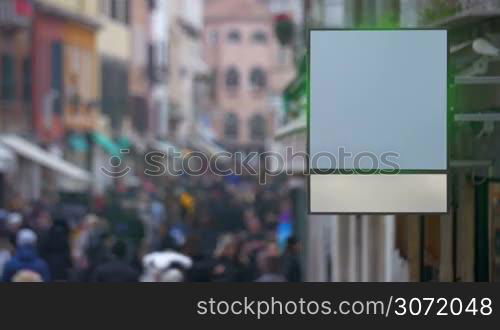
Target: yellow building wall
{"x":77,"y":34}
{"x":114,"y":39}
{"x":81,"y":64}
{"x":81,"y":76}
{"x":81,"y":61}
{"x":84,"y":7}
{"x":84,"y":48}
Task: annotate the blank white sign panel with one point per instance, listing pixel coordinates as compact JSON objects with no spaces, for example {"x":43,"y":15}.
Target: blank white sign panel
{"x":400,"y":193}
{"x":378,"y":92}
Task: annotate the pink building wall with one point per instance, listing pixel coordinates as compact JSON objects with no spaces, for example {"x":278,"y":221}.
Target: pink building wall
{"x":46,"y":30}
{"x":247,"y":17}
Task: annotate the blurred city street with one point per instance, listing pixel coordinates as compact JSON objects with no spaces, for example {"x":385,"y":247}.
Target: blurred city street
{"x":134,"y":135}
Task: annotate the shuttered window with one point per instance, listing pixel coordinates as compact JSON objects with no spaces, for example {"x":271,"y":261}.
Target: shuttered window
{"x":27,"y":79}
{"x":7,"y":81}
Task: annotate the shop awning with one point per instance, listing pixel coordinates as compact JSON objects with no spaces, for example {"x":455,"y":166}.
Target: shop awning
{"x":294,"y":126}
{"x":38,"y":155}
{"x":208,"y":147}
{"x":292,"y":135}
{"x":7,"y":159}
{"x":107,"y":144}
{"x":167,"y":147}
{"x":467,"y":16}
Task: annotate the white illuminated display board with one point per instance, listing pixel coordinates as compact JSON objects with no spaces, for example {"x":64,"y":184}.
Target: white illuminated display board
{"x":378,"y":101}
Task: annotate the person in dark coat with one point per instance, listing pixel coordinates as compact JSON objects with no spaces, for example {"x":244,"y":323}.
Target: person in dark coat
{"x":26,"y":258}
{"x":272,"y":271}
{"x":226,"y":266}
{"x":202,"y":264}
{"x":117,"y":270}
{"x":291,"y":263}
{"x":56,"y":251}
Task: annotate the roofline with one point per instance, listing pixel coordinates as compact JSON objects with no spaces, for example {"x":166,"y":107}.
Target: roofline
{"x":67,"y":15}
{"x":211,"y":19}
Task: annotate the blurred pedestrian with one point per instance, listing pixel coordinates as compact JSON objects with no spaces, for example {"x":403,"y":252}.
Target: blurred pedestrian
{"x":272,"y":270}
{"x":14,"y":224}
{"x":116,"y":270}
{"x":156,"y":218}
{"x":55,"y":250}
{"x":6,"y":250}
{"x":202,"y":263}
{"x":166,"y":265}
{"x":26,"y":258}
{"x":81,"y":240}
{"x":284,"y":229}
{"x":227,"y":266}
{"x":291,"y":262}
{"x":27,"y":276}
{"x":207,"y":233}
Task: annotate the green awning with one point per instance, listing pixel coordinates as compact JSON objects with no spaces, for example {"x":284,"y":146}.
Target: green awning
{"x":107,"y":144}
{"x":296,"y":92}
{"x":124,"y":142}
{"x":78,"y":142}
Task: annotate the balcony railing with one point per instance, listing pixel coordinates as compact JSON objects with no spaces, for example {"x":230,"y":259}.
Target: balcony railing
{"x":15,"y":116}
{"x":446,"y":12}
{"x":479,"y":5}
{"x":9,"y":17}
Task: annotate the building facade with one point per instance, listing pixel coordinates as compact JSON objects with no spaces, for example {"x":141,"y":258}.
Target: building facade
{"x":15,"y":82}
{"x":185,"y":64}
{"x":157,"y":67}
{"x":136,"y":124}
{"x":337,"y":248}
{"x":114,"y":48}
{"x":15,"y":68}
{"x":52,"y":93}
{"x":242,"y":51}
{"x":463,"y":244}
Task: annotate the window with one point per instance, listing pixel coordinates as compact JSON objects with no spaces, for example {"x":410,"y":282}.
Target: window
{"x":126,"y":9}
{"x":114,"y":9}
{"x":152,"y":4}
{"x":27,"y":79}
{"x":183,"y":72}
{"x":234,"y":36}
{"x":231,"y":126}
{"x":114,"y":90}
{"x":259,"y":37}
{"x":282,"y":55}
{"x":117,"y":9}
{"x":213,"y":85}
{"x":56,"y":61}
{"x":232,"y":78}
{"x":7,"y":81}
{"x":213,"y":37}
{"x":258,"y":129}
{"x":104,"y":6}
{"x":334,"y":12}
{"x":151,"y":63}
{"x":162,"y":60}
{"x":258,"y":79}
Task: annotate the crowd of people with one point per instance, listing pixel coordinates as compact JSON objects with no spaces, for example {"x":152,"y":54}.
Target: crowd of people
{"x":190,"y":229}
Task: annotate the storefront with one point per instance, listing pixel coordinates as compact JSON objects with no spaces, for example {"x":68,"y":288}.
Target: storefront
{"x":7,"y":165}
{"x":40,"y":172}
{"x":463,"y":245}
{"x":48,"y":38}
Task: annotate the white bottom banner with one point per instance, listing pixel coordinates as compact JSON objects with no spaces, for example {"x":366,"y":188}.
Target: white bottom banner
{"x":378,"y":193}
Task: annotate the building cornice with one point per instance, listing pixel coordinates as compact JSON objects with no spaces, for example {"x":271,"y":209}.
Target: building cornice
{"x":67,"y":15}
